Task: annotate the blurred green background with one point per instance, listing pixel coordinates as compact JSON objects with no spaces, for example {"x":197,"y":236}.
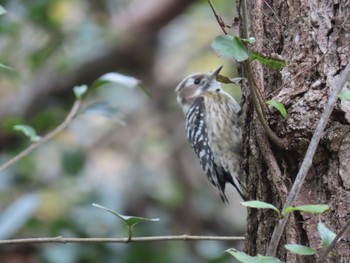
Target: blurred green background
{"x":130,"y":153}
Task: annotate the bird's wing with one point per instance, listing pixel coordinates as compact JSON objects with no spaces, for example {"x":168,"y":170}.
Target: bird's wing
{"x":197,"y":134}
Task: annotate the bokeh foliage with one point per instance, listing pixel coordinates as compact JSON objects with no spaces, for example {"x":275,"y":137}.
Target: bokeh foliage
{"x":135,"y":160}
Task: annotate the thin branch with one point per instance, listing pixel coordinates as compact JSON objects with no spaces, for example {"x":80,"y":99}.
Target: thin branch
{"x":60,"y":239}
{"x":334,"y":242}
{"x":73,"y":112}
{"x":305,"y":166}
{"x":218,"y":18}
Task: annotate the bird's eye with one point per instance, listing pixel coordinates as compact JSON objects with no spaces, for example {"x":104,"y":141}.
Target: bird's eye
{"x":197,"y":81}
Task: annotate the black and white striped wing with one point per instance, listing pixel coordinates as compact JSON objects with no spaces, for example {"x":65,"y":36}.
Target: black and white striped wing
{"x":197,"y":134}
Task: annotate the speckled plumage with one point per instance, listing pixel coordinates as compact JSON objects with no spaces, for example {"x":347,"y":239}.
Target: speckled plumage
{"x":212,"y":125}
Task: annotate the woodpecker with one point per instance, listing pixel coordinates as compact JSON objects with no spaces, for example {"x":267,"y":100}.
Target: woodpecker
{"x":213,"y":129}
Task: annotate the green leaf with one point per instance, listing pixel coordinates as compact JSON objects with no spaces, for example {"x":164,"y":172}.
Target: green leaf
{"x":260,"y":205}
{"x":243,"y":257}
{"x":120,"y":80}
{"x":300,"y":250}
{"x":326,"y":234}
{"x":79,"y":91}
{"x":279,"y":106}
{"x":231,"y":47}
{"x":313,"y":209}
{"x":249,"y":40}
{"x":130,"y":221}
{"x":123,"y":80}
{"x":2,"y":10}
{"x":273,"y":63}
{"x":27,"y":131}
{"x":345,"y":95}
{"x":6,"y":67}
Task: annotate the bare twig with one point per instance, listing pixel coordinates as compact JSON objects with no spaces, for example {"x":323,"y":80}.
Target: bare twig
{"x":60,"y":239}
{"x":218,"y":18}
{"x":334,"y":242}
{"x":305,"y":166}
{"x":73,"y":112}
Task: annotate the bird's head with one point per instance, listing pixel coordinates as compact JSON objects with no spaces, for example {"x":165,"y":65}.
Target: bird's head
{"x":194,"y":85}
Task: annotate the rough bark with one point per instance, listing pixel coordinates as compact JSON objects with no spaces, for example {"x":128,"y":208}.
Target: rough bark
{"x":313,"y":37}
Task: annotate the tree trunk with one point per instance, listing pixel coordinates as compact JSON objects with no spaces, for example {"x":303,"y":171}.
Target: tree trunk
{"x":313,"y":37}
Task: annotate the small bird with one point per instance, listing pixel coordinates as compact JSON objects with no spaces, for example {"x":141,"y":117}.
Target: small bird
{"x":213,"y":129}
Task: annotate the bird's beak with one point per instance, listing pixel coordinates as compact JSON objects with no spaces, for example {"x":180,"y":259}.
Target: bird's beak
{"x":216,"y":73}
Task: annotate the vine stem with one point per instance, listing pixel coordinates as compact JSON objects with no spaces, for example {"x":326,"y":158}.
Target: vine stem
{"x":71,"y":115}
{"x":281,"y":143}
{"x":307,"y":161}
{"x":256,"y":99}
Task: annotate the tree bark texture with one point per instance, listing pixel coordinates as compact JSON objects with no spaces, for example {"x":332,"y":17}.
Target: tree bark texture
{"x":314,"y":38}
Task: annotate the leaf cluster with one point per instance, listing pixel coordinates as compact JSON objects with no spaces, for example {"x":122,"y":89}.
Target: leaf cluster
{"x":326,"y":235}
